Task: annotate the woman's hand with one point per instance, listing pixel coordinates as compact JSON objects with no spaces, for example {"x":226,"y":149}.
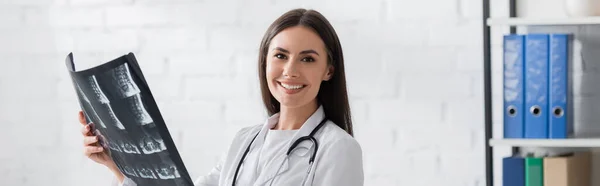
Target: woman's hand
{"x":93,"y":150}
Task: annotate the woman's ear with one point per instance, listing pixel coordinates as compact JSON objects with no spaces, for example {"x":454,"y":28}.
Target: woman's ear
{"x":329,"y":73}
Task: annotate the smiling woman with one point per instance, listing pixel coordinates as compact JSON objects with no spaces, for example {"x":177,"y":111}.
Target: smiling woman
{"x":301,"y":51}
{"x":295,"y":70}
{"x":308,"y":137}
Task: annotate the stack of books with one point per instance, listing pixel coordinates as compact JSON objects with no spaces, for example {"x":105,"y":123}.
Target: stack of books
{"x":573,"y":169}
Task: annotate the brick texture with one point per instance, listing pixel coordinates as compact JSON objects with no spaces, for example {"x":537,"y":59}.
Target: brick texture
{"x":414,"y":71}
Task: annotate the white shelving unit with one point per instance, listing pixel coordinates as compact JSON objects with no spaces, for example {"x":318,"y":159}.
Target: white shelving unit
{"x":509,"y":146}
{"x":571,"y":142}
{"x":543,"y":21}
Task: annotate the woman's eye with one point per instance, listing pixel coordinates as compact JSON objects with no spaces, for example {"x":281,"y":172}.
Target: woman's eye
{"x":308,"y":59}
{"x":280,"y":56}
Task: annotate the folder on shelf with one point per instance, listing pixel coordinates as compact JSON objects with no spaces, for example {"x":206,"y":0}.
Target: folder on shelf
{"x":569,"y":170}
{"x":513,"y":61}
{"x":534,"y":171}
{"x":558,"y":125}
{"x":513,"y":171}
{"x":536,"y":85}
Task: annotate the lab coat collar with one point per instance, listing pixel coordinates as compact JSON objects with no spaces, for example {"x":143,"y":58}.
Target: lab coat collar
{"x":308,"y":126}
{"x":311,"y":123}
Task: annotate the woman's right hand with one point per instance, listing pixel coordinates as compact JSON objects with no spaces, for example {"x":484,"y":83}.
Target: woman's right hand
{"x":93,"y":150}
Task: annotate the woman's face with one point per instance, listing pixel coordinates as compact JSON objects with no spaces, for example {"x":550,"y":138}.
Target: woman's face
{"x":296,"y":66}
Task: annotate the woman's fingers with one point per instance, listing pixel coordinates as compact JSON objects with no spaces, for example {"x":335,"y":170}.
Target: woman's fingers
{"x":89,"y":150}
{"x":82,"y":118}
{"x":89,"y":140}
{"x":85,"y":130}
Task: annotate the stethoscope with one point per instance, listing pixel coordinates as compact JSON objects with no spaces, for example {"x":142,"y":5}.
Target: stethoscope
{"x":298,"y":141}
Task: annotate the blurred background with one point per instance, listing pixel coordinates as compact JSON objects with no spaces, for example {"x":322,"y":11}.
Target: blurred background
{"x":414,"y":72}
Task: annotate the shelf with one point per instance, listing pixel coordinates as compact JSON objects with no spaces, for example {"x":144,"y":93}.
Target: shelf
{"x":543,"y":21}
{"x":572,"y":142}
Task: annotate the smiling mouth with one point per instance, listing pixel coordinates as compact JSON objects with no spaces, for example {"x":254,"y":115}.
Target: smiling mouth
{"x":291,"y":87}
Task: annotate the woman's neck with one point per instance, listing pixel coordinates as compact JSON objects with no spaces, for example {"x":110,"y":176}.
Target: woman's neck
{"x":294,"y":118}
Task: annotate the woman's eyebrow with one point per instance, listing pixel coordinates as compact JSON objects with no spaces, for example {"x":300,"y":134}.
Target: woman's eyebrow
{"x":309,"y":51}
{"x":303,"y":52}
{"x":281,"y":49}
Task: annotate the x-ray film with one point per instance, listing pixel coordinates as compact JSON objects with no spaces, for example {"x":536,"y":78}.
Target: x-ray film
{"x":116,"y":98}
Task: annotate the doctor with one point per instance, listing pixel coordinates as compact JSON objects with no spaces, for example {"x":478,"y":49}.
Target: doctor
{"x":301,"y":70}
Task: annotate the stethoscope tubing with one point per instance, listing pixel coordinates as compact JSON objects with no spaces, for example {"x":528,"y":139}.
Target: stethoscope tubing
{"x":294,"y":145}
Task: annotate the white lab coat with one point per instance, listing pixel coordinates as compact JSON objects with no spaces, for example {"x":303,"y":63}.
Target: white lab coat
{"x":338,"y":160}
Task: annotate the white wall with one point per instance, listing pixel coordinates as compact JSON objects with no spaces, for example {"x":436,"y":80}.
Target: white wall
{"x":410,"y":65}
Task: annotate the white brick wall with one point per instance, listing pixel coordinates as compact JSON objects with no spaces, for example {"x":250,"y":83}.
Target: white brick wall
{"x":410,"y":65}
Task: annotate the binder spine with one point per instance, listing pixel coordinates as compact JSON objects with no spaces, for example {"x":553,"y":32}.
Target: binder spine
{"x":514,"y":50}
{"x":558,"y":87}
{"x":534,"y":171}
{"x":513,"y":171}
{"x":536,"y":85}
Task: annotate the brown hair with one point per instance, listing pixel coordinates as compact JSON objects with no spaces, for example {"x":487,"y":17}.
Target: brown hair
{"x":332,"y":93}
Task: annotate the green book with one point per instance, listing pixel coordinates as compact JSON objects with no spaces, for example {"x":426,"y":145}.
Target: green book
{"x":534,"y":171}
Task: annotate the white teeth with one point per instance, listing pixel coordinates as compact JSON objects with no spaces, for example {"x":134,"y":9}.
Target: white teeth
{"x":292,"y":87}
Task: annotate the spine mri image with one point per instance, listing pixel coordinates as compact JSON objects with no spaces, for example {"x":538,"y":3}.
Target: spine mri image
{"x":112,"y":99}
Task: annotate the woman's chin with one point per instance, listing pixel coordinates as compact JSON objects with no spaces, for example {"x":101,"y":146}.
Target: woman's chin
{"x":290,"y":103}
{"x":294,"y":102}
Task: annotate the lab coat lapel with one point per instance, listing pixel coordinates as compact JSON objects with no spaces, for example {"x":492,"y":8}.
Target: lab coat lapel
{"x":260,"y":140}
{"x":270,"y":123}
{"x":272,"y":172}
{"x":274,"y":169}
{"x":250,"y":160}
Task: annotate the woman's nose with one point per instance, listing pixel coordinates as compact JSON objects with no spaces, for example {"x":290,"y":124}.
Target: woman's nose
{"x":290,"y":69}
